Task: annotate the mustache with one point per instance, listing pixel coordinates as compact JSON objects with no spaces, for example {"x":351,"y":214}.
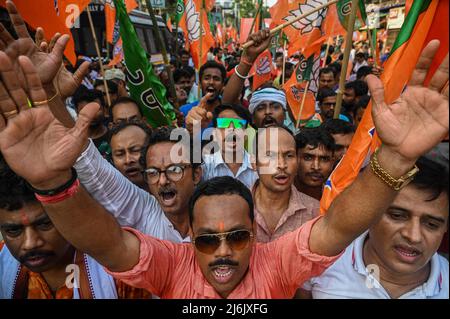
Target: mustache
{"x":222,"y":262}
{"x":166,"y":189}
{"x":35,"y":253}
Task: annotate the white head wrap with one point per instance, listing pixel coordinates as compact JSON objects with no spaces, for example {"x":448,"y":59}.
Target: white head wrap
{"x":268,"y":94}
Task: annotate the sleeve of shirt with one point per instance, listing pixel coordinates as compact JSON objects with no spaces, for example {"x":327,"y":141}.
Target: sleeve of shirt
{"x":155,"y":269}
{"x":294,"y":261}
{"x":128,"y":203}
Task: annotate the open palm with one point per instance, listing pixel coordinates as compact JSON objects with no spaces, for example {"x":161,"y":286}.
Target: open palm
{"x":34,"y":144}
{"x":48,"y":64}
{"x":418,"y":120}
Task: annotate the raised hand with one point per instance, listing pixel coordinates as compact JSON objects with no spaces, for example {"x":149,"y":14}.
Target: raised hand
{"x":49,"y":64}
{"x":202,"y":113}
{"x":261,"y":41}
{"x":419,"y":119}
{"x":34,"y":144}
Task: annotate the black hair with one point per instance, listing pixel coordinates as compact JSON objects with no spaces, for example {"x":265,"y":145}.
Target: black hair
{"x":112,"y":86}
{"x":360,"y":55}
{"x":238,"y":109}
{"x":328,"y":70}
{"x":432,"y":177}
{"x":124,"y":100}
{"x":116,"y":128}
{"x":363,"y":71}
{"x":336,"y":66}
{"x":180,"y":73}
{"x":184,"y":52}
{"x":278,"y":55}
{"x":213,"y":65}
{"x":223,"y":185}
{"x":83,"y":94}
{"x":360,"y":87}
{"x":324,"y":93}
{"x":14,"y":190}
{"x":162,"y":135}
{"x":362,"y":103}
{"x":188,"y":69}
{"x":338,"y":126}
{"x":315,"y":137}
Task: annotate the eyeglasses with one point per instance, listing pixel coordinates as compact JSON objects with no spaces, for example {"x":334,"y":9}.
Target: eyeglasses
{"x":173,"y":173}
{"x":237,"y":240}
{"x":225,"y":122}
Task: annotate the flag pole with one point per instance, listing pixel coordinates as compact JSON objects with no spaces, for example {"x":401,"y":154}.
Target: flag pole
{"x":160,"y":43}
{"x":328,"y":47}
{"x":372,"y":49}
{"x":302,"y":104}
{"x":348,"y":47}
{"x":200,"y":53}
{"x":102,"y":69}
{"x":284,"y":62}
{"x":288,"y":23}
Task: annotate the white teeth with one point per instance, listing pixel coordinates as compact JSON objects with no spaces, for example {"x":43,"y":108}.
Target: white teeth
{"x":219,"y":273}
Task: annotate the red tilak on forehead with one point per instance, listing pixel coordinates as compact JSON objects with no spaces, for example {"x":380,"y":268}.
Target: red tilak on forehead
{"x":221,"y":226}
{"x":24,"y":218}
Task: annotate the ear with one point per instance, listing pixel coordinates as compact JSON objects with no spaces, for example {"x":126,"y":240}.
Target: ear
{"x":198,"y":173}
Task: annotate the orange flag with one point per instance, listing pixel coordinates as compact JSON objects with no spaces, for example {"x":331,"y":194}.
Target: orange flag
{"x":52,"y":17}
{"x":169,"y":24}
{"x":307,"y":70}
{"x":262,"y":69}
{"x":110,"y":16}
{"x":426,"y":20}
{"x":190,"y":23}
{"x":220,"y":35}
{"x":244,"y":32}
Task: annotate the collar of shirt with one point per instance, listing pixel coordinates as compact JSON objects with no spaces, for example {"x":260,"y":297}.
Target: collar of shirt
{"x":295,"y":206}
{"x":246,"y":163}
{"x":430,"y":288}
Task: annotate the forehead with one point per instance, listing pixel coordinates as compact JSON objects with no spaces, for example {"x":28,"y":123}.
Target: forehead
{"x":320,"y":150}
{"x":221,"y":213}
{"x":229,"y":113}
{"x":329,"y":99}
{"x":416,"y":201}
{"x":277,"y":139}
{"x":164,"y":154}
{"x":328,"y":75}
{"x":129,"y":135}
{"x":212,"y":72}
{"x":343,"y":139}
{"x":126,"y":107}
{"x":27,"y":214}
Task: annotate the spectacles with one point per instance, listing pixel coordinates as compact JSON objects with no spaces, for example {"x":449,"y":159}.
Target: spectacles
{"x":173,"y":173}
{"x":225,"y":122}
{"x":236,"y":240}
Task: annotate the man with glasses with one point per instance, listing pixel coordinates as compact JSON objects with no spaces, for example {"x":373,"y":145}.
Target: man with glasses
{"x":231,"y":159}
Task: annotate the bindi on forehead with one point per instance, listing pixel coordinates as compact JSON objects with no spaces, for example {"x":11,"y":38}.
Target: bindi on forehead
{"x":221,"y":226}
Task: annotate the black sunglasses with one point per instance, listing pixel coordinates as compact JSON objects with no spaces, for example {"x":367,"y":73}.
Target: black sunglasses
{"x":236,"y":239}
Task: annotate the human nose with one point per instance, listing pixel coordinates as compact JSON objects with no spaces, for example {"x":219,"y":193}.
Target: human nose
{"x":32,"y":239}
{"x":412,"y":232}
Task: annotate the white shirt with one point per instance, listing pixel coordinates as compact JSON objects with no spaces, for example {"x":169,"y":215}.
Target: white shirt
{"x":348,"y":278}
{"x":214,"y":166}
{"x":130,"y":205}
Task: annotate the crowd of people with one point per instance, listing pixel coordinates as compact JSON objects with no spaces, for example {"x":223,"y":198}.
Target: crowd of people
{"x":226,"y":202}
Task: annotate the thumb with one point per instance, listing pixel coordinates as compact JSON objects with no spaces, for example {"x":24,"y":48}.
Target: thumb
{"x":376,"y":92}
{"x":81,"y":72}
{"x":209,"y":116}
{"x":87,"y":114}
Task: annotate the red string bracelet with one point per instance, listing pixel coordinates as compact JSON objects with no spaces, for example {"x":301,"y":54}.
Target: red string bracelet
{"x":65,"y":194}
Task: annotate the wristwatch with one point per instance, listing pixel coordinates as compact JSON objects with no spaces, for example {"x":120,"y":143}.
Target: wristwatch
{"x":394,"y":183}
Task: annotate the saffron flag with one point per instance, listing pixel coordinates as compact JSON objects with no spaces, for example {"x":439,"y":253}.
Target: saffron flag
{"x":426,"y":20}
{"x":193,"y":31}
{"x":54,"y":16}
{"x":244,"y":32}
{"x":307,"y":70}
{"x":144,"y":85}
{"x":117,"y":53}
{"x":262,"y":69}
{"x":110,"y":16}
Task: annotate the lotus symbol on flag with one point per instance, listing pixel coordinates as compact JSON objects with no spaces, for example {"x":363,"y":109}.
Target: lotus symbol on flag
{"x":308,"y":23}
{"x":263,"y":66}
{"x":313,"y":85}
{"x":192,"y":21}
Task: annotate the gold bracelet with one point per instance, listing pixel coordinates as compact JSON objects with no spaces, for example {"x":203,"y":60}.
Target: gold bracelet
{"x":394,"y":183}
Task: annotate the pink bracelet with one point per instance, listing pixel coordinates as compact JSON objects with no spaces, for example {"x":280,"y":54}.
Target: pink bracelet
{"x":53,"y":199}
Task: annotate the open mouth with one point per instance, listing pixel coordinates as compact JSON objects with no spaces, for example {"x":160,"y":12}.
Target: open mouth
{"x":168,"y":197}
{"x":407,"y":254}
{"x":223,"y":273}
{"x":269,"y":121}
{"x":36,"y":261}
{"x":281,"y":179}
{"x":210,"y":89}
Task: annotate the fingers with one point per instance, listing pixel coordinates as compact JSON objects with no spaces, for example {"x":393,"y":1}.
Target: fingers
{"x":423,"y":64}
{"x":11,"y":82}
{"x":81,"y":129}
{"x":39,"y":37}
{"x":81,"y":73}
{"x":17,"y":21}
{"x":5,"y":36}
{"x":53,"y":41}
{"x":35,"y":90}
{"x":58,"y":50}
{"x":376,"y":92}
{"x":204,"y":101}
{"x":440,"y":77}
